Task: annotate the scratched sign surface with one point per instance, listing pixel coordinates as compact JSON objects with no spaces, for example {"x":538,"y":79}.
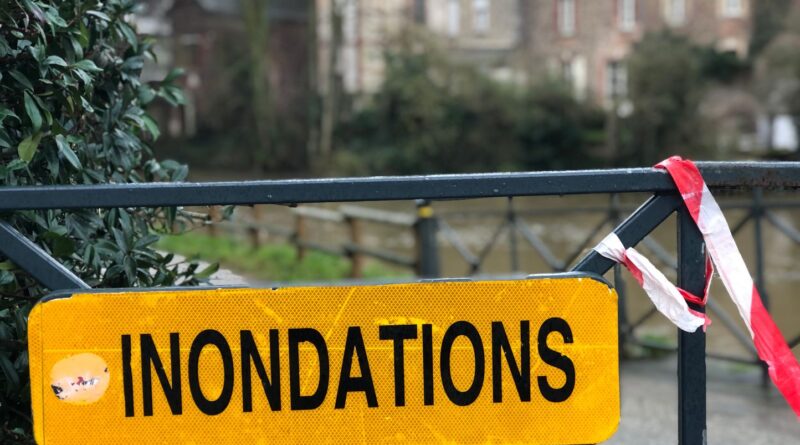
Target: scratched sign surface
{"x":523,"y":361}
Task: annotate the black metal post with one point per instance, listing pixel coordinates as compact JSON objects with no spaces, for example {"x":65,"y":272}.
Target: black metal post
{"x":511,"y":218}
{"x":624,"y":325}
{"x":427,"y":248}
{"x":691,"y":346}
{"x":619,"y":282}
{"x":761,"y":284}
{"x":39,"y":264}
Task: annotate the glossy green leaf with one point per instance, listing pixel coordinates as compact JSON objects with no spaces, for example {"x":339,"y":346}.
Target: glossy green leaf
{"x":206,"y":273}
{"x":128,"y":34}
{"x":33,"y":112}
{"x":174,"y":74}
{"x":35,"y":10}
{"x":151,"y":126}
{"x":86,"y":65}
{"x":99,"y":14}
{"x":5,"y":112}
{"x":86,"y":78}
{"x":77,"y":49}
{"x":54,"y":19}
{"x":130,"y":269}
{"x":19,"y":77}
{"x":5,"y":139}
{"x":6,"y":277}
{"x":146,"y":241}
{"x":62,"y":246}
{"x":66,"y":151}
{"x":27,"y":148}
{"x":55,"y":60}
{"x":5,"y":49}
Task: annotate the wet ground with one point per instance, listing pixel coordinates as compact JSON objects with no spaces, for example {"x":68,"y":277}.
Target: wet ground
{"x":739,"y":410}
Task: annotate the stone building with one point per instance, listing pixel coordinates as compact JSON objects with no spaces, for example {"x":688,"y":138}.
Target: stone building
{"x":581,"y":41}
{"x":585,"y":41}
{"x":486,"y":33}
{"x":368,"y":27}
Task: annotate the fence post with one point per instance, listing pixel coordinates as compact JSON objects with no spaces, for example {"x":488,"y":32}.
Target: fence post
{"x":298,"y":235}
{"x":356,"y":259}
{"x":691,"y":346}
{"x":622,"y":311}
{"x":213,"y":220}
{"x":511,"y":218}
{"x":254,"y":230}
{"x":761,"y":281}
{"x":615,"y":217}
{"x":427,"y":249}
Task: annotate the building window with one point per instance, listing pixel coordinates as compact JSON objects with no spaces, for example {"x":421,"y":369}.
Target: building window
{"x":453,"y":17}
{"x":566,"y":17}
{"x":732,"y":8}
{"x":616,"y":80}
{"x":675,"y":12}
{"x":626,"y":14}
{"x":481,"y":15}
{"x":575,"y":75}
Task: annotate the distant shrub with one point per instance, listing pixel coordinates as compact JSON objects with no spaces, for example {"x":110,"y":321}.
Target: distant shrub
{"x":434,"y":115}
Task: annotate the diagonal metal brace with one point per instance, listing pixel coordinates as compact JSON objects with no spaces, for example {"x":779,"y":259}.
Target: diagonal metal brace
{"x":637,"y":226}
{"x":36,"y":262}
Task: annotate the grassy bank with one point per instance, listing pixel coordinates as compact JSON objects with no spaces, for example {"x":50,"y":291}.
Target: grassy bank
{"x":272,"y":262}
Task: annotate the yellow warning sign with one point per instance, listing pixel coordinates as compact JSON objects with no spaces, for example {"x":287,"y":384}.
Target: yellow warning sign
{"x":522,"y":361}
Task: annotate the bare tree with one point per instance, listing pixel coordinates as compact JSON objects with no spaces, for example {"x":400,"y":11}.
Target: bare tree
{"x":256,"y":20}
{"x":330,"y":100}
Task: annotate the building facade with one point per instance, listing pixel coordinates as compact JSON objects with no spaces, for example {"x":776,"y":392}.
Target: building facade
{"x":484,"y":33}
{"x":585,"y":42}
{"x":367,"y":28}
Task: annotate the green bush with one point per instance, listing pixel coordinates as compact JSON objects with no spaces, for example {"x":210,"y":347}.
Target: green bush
{"x":432,"y":115}
{"x":666,"y":86}
{"x":72,"y":112}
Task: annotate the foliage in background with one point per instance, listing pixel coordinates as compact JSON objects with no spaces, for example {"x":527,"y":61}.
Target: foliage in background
{"x":668,"y":77}
{"x":665,"y":90}
{"x":274,"y":262}
{"x":249,"y":115}
{"x":768,"y":22}
{"x":778,"y":71}
{"x":72,"y":112}
{"x":434,"y":115}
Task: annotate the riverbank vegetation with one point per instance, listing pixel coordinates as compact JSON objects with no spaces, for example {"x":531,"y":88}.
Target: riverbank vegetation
{"x":269,"y":263}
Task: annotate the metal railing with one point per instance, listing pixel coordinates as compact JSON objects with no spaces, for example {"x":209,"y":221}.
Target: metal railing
{"x":515,"y":229}
{"x":632,"y":230}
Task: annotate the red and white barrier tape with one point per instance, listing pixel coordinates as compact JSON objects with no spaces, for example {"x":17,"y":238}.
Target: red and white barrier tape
{"x":667,"y":298}
{"x":671,"y":301}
